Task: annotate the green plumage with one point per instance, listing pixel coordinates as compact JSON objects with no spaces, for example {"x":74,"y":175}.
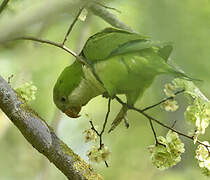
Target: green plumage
{"x":124,"y":62}
{"x":100,"y":45}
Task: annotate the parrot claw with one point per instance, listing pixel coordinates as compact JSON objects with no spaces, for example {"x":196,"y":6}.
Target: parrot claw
{"x":105,"y":95}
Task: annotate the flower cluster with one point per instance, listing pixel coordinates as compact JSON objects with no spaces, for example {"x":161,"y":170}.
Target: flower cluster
{"x":203,"y":156}
{"x":27,"y":91}
{"x":171,"y":104}
{"x":97,"y":154}
{"x":168,"y":152}
{"x":198,"y":112}
{"x":90,"y":135}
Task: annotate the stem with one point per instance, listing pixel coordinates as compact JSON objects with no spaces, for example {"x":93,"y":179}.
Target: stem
{"x":72,"y":25}
{"x":105,"y":122}
{"x":158,"y":122}
{"x":162,"y":101}
{"x":59,"y":45}
{"x":154,"y":133}
{"x":94,"y":129}
{"x":100,"y":135}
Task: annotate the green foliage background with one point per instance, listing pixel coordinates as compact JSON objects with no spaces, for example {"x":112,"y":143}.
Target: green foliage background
{"x":186,"y":23}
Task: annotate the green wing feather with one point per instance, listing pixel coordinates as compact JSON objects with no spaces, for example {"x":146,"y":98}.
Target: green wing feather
{"x":130,"y":72}
{"x":163,"y":49}
{"x":99,"y":46}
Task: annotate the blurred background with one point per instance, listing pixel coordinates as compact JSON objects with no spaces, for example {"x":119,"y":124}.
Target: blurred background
{"x":185,"y":23}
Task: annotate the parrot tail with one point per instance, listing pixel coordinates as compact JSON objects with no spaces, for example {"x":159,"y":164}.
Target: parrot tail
{"x":182,"y":75}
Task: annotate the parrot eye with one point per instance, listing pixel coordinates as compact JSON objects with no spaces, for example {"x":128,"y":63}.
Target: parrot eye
{"x":63,"y":99}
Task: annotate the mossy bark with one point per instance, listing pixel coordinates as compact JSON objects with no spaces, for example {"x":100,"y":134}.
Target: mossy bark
{"x":42,"y":137}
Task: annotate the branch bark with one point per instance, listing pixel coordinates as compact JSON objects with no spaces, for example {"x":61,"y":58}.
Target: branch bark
{"x":110,"y":18}
{"x":11,"y":27}
{"x":42,"y":137}
{"x":3,"y":5}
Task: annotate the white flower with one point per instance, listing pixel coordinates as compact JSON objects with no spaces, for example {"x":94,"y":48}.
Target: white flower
{"x":90,"y":135}
{"x":170,"y":105}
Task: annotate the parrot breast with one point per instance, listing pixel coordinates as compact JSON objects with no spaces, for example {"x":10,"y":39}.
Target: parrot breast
{"x":88,"y":88}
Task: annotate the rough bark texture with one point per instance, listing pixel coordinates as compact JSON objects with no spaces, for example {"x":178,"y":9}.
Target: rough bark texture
{"x":42,"y":137}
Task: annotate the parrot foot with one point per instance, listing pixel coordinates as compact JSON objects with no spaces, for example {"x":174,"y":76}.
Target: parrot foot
{"x":105,"y":95}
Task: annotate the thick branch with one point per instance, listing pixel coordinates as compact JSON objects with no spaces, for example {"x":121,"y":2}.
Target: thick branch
{"x":42,"y":137}
{"x":110,"y":18}
{"x":3,"y":5}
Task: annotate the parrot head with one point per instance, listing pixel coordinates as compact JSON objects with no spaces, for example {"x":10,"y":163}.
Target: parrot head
{"x":67,"y":82}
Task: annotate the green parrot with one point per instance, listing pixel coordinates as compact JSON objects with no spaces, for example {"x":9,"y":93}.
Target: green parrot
{"x":119,"y":62}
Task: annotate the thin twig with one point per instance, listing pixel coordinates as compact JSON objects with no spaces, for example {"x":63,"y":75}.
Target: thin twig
{"x":94,"y":129}
{"x":105,"y":122}
{"x":81,"y":59}
{"x":173,"y":124}
{"x":100,"y":135}
{"x":3,"y":5}
{"x":153,"y":130}
{"x":59,"y":45}
{"x":72,"y":25}
{"x":10,"y":78}
{"x":158,"y":122}
{"x":162,"y":101}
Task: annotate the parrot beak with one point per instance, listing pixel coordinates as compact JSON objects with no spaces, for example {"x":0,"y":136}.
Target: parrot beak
{"x":73,"y":112}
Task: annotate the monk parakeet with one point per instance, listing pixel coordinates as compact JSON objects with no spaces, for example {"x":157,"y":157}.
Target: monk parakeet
{"x":121,"y":62}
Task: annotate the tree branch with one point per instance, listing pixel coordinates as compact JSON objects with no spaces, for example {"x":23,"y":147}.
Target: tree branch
{"x":150,"y":118}
{"x":3,"y":5}
{"x":42,"y":137}
{"x":11,"y":27}
{"x":162,"y":101}
{"x":100,"y":135}
{"x":110,"y":18}
{"x":72,"y":25}
{"x":59,"y":45}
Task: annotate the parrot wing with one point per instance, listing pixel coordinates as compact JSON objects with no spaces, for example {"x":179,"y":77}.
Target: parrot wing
{"x":163,"y":49}
{"x":134,"y":71}
{"x":99,"y":46}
